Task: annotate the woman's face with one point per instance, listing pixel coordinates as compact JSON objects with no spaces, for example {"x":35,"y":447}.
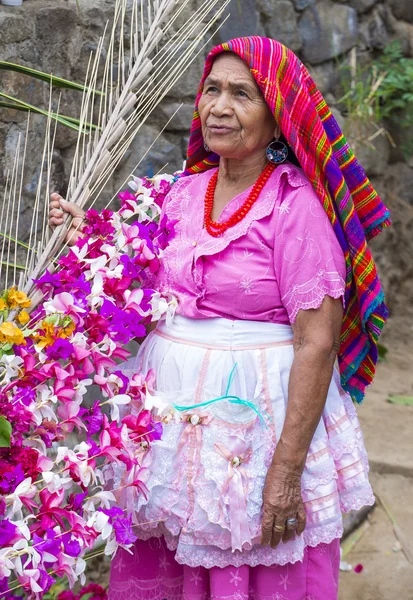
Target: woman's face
{"x":236,"y":121}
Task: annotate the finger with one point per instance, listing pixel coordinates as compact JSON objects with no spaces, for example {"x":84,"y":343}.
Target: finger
{"x":72,"y":237}
{"x":55,"y":197}
{"x":277,"y":532}
{"x":267,"y":526}
{"x":54,"y":204}
{"x":72,"y":209}
{"x":301,"y":517}
{"x":56,"y":212}
{"x":55,"y":221}
{"x":290,"y":531}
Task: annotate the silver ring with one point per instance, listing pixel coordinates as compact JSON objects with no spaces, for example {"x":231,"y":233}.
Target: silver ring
{"x":292,"y":523}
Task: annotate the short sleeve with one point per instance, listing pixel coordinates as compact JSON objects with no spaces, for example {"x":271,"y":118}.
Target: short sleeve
{"x":309,"y":261}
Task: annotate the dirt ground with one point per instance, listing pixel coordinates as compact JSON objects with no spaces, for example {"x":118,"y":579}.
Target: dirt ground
{"x":388,"y":433}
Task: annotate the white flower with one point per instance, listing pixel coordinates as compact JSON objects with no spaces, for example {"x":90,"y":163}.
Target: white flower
{"x":6,"y":564}
{"x":9,"y":367}
{"x":100,"y":523}
{"x":111,"y":547}
{"x":160,"y":403}
{"x":25,"y":488}
{"x":162,"y":306}
{"x":55,"y":482}
{"x":115,"y":402}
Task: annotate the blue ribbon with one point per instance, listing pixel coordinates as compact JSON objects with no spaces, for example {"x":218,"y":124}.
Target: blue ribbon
{"x":231,"y":399}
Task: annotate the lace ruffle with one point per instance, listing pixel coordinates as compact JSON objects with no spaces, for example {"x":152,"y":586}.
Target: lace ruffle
{"x":312,"y":293}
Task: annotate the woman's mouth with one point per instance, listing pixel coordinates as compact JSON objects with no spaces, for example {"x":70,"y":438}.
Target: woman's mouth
{"x":220,"y":129}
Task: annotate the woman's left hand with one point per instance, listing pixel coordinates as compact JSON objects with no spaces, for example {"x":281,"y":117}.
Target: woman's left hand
{"x":282,"y":501}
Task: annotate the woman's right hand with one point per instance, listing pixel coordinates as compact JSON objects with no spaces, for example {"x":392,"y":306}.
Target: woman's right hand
{"x":58,"y":206}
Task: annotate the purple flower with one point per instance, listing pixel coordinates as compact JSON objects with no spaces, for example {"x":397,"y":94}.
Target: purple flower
{"x":8,"y":533}
{"x":123,"y":530}
{"x":71,"y":545}
{"x":61,"y":348}
{"x":11,"y":479}
{"x":166,"y":232}
{"x":45,"y":581}
{"x":4,"y":589}
{"x":112,"y":513}
{"x":48,"y":281}
{"x":47,"y":544}
{"x":92,"y":417}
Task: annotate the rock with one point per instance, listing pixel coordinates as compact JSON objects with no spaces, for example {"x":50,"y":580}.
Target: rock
{"x":325,"y":76}
{"x":56,"y":31}
{"x":187,"y":86}
{"x":327,"y":30}
{"x":402,"y":135}
{"x":21,"y":87}
{"x":399,"y":30}
{"x":280,"y":22}
{"x":302,"y":4}
{"x":244,"y":20}
{"x":162,"y":152}
{"x":399,"y":181}
{"x":402,"y":9}
{"x":373,"y":31}
{"x":180,"y":122}
{"x":14,"y":28}
{"x":361,"y":6}
{"x":372,"y":154}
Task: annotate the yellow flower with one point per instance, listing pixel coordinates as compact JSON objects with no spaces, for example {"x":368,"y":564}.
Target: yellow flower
{"x":48,"y":337}
{"x":3,"y":305}
{"x":23,"y":317}
{"x":17,"y":299}
{"x":67,"y":331}
{"x":10,"y":334}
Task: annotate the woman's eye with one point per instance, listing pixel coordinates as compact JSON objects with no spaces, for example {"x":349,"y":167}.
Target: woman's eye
{"x":211,"y":88}
{"x":242,"y":94}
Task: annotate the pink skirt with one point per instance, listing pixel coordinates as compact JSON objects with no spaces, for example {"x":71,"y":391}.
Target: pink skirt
{"x":152,"y":573}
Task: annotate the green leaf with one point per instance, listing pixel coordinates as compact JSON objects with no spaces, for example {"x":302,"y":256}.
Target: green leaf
{"x":55,"y":81}
{"x":18,"y":242}
{"x":401,"y":400}
{"x":382,"y":350}
{"x":26,"y":107}
{"x":5,"y":432}
{"x":12,"y":265}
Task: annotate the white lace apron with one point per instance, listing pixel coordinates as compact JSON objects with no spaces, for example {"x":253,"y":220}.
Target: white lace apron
{"x":206,"y":475}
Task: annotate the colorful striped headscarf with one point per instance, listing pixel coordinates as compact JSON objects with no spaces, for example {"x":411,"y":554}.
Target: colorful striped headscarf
{"x":353,"y":206}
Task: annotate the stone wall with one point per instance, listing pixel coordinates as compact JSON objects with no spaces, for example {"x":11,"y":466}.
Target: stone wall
{"x":57,"y":36}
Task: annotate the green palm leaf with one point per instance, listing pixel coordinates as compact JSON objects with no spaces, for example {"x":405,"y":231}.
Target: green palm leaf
{"x":55,"y":81}
{"x":17,"y":104}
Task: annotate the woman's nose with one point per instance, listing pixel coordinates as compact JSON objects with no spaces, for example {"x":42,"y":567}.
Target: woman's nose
{"x":222,"y":106}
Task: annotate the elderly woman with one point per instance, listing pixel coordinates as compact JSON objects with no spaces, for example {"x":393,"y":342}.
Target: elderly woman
{"x":262,"y":449}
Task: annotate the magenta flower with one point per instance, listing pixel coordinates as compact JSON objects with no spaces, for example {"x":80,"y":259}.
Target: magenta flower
{"x":9,"y":534}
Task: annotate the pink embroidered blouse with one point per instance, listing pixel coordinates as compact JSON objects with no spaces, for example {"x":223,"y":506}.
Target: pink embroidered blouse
{"x":281,"y":258}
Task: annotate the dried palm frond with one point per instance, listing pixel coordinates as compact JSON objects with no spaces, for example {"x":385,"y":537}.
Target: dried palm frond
{"x":134,"y":82}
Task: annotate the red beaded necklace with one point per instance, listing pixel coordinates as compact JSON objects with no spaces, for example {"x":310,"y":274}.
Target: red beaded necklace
{"x":216,"y":229}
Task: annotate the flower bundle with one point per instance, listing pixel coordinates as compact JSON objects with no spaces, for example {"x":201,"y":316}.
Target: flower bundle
{"x":55,"y":442}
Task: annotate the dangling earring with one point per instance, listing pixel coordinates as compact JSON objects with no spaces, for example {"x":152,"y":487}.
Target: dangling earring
{"x":277,"y":152}
{"x":207,"y":148}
